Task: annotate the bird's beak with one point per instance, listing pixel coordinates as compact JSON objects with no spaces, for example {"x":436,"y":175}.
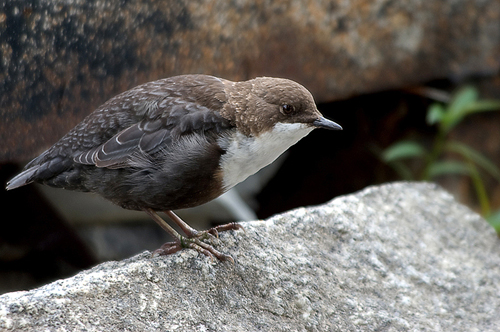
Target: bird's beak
{"x":326,"y":124}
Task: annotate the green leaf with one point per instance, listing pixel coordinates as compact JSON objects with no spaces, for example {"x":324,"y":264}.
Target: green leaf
{"x":482,"y":106}
{"x":403,"y":150}
{"x":448,"y":168}
{"x":458,"y":107}
{"x":462,"y":99}
{"x":494,"y":220}
{"x":435,"y":114}
{"x":474,"y":156}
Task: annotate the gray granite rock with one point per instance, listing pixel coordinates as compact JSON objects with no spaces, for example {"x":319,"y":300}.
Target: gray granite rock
{"x":397,"y":257}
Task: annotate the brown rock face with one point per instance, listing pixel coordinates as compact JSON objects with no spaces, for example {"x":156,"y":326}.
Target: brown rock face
{"x":60,"y":60}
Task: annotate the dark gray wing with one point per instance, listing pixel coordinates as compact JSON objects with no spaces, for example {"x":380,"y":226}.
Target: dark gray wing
{"x":152,"y":134}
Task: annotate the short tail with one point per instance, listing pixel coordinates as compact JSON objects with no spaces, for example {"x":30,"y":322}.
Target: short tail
{"x":22,"y":178}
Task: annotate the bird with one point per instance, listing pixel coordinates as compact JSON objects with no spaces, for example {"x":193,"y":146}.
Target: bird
{"x":177,"y":143}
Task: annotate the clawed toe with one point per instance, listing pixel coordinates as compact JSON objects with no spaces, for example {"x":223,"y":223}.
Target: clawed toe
{"x":196,"y":244}
{"x":232,"y":226}
{"x":193,"y":239}
{"x":210,"y":251}
{"x":168,"y":249}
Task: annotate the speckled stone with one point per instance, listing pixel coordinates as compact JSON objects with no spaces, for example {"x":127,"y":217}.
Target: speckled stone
{"x":61,"y":59}
{"x":397,"y":257}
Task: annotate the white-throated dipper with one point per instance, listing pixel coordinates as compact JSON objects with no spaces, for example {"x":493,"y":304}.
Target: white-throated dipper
{"x":177,"y":143}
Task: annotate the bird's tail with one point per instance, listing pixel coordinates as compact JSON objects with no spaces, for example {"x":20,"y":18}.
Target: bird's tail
{"x":22,"y":178}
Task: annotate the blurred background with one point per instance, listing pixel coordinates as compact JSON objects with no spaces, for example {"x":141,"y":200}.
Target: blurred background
{"x":415,"y":85}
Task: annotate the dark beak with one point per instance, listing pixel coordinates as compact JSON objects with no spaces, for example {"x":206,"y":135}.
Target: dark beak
{"x":326,"y":124}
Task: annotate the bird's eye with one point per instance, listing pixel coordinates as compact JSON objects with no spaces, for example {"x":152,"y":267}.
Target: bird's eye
{"x":287,"y":109}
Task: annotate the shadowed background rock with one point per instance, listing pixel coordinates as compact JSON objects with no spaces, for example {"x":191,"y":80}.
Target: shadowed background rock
{"x":62,"y":59}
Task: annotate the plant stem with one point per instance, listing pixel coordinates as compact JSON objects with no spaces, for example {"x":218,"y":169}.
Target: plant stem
{"x":437,"y":150}
{"x":478,"y":184}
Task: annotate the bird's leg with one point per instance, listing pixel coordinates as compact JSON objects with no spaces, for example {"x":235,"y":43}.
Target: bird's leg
{"x":181,"y":242}
{"x":188,"y":230}
{"x":169,"y":247}
{"x":166,"y":227}
{"x":193,"y":233}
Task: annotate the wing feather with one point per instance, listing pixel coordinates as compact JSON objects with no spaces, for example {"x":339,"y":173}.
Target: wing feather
{"x":151,"y":134}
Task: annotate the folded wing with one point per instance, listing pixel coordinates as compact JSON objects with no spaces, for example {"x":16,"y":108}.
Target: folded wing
{"x":150,"y":135}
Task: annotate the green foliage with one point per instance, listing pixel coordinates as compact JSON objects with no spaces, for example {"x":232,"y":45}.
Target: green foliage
{"x":494,"y":220}
{"x":471,"y":162}
{"x":403,"y":150}
{"x":465,"y":102}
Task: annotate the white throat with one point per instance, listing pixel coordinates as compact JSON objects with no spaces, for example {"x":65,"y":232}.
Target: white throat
{"x":246,"y":155}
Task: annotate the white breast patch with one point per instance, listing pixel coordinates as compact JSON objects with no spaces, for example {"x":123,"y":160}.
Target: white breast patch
{"x":247,"y":155}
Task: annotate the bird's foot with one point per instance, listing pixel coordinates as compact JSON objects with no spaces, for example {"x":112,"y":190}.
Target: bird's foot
{"x":193,"y":239}
{"x":193,"y":243}
{"x":211,"y":233}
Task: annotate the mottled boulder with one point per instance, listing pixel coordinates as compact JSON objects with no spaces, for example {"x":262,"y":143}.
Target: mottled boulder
{"x":398,"y":257}
{"x":61,"y":59}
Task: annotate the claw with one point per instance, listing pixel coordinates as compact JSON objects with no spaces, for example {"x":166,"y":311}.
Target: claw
{"x":228,"y":258}
{"x":213,"y":232}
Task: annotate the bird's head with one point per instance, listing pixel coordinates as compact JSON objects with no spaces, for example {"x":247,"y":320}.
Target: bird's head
{"x":277,"y":101}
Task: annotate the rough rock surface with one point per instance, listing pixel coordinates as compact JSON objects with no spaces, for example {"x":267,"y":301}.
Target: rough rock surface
{"x":397,"y":257}
{"x":61,"y":59}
